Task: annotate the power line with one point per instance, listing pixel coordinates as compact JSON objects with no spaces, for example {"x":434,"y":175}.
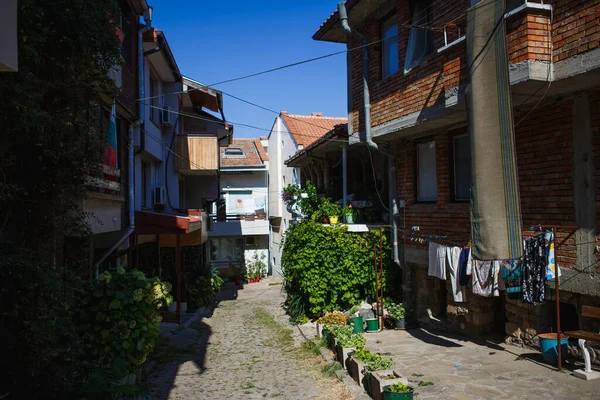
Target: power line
{"x":196,"y":116}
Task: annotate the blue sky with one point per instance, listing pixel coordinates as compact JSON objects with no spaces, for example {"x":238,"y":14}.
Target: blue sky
{"x":217,"y":40}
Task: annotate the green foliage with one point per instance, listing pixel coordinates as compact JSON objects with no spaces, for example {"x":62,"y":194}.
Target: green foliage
{"x":216,"y":280}
{"x":372,"y":361}
{"x":41,"y":346}
{"x":326,"y":208}
{"x":399,"y":388}
{"x":198,"y":291}
{"x":257,"y":266}
{"x":396,"y":310}
{"x":123,"y":318}
{"x":425,"y":383}
{"x":310,"y":203}
{"x":327,"y":268}
{"x":345,"y":337}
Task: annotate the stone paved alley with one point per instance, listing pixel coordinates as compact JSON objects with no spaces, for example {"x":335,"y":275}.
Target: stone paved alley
{"x":244,"y":350}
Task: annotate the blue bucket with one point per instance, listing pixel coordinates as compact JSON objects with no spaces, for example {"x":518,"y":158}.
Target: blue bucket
{"x":550,"y":349}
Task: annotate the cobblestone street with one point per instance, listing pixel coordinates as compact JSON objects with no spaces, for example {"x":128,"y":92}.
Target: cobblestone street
{"x":244,"y":350}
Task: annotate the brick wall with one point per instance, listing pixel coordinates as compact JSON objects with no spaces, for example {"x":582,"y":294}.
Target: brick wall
{"x":575,"y":30}
{"x":576,"y":27}
{"x":545,"y":163}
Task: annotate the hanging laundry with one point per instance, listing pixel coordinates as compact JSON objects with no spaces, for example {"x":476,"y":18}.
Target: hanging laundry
{"x":452,"y":260}
{"x":484,"y":275}
{"x":551,"y":268}
{"x":535,"y":261}
{"x":512,"y":274}
{"x":437,"y":261}
{"x":464,"y":266}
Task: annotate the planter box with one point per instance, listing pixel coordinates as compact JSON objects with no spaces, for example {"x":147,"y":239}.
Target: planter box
{"x":342,"y":354}
{"x":356,"y":371}
{"x":332,"y":342}
{"x":378,"y":381}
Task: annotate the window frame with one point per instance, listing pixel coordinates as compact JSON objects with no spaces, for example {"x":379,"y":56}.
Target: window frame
{"x":430,"y":36}
{"x":417,"y":172}
{"x":453,"y":175}
{"x":154,"y":98}
{"x":393,"y":17}
{"x":144,"y":182}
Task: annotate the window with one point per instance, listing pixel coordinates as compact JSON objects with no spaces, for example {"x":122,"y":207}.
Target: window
{"x":144,"y":181}
{"x":420,"y":40}
{"x":154,"y":101}
{"x":426,"y":182}
{"x":462,"y":167}
{"x":226,"y":249}
{"x":233,"y":152}
{"x":126,"y":27}
{"x":390,"y":46}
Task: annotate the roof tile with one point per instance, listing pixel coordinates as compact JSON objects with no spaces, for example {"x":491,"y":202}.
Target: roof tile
{"x":253,"y":157}
{"x":308,"y":128}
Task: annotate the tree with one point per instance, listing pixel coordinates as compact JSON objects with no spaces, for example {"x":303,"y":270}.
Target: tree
{"x":47,"y":149}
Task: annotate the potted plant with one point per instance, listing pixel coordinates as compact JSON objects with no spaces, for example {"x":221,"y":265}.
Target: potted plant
{"x":397,"y":312}
{"x":348,"y":213}
{"x":356,"y":364}
{"x":327,"y":211}
{"x":380,"y":379}
{"x":398,"y":391}
{"x":346,"y":342}
{"x":330,"y":319}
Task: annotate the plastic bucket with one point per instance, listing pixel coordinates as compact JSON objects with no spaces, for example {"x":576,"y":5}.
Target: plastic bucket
{"x":549,"y":347}
{"x":349,"y":218}
{"x":357,"y":323}
{"x":400,"y":324}
{"x":372,"y":325}
{"x":333,"y":220}
{"x":389,"y":395}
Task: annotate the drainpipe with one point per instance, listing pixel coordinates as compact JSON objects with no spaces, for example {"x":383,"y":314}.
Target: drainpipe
{"x":141,"y":76}
{"x":131,"y":158}
{"x":393,"y":181}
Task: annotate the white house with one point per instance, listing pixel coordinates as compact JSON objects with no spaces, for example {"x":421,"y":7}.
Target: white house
{"x":289,"y":134}
{"x":239,"y":219}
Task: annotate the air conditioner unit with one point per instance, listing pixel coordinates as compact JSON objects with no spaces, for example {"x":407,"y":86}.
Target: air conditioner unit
{"x":166,"y":116}
{"x":160,"y":196}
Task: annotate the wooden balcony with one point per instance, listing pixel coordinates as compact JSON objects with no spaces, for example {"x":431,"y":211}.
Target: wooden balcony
{"x":199,"y":155}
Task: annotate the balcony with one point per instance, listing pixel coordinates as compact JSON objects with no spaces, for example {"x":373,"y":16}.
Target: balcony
{"x":239,"y":224}
{"x":103,"y":205}
{"x":199,"y":155}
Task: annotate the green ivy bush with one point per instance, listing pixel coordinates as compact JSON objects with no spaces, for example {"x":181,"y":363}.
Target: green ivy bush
{"x":124,"y":310}
{"x":327,"y":268}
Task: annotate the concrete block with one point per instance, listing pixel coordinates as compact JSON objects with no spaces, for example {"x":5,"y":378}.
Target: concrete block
{"x":588,"y":376}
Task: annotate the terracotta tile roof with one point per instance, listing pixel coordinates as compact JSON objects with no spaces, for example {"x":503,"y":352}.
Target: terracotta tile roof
{"x":261,"y":150}
{"x":254,"y":154}
{"x":308,"y":128}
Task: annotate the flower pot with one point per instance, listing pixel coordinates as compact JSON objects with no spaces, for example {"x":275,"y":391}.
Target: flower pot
{"x":356,"y":370}
{"x":342,"y":354}
{"x":549,"y":347}
{"x":173,"y":307}
{"x":332,"y":342}
{"x":357,"y":323}
{"x":372,"y":325}
{"x":333,"y":220}
{"x":379,"y":379}
{"x":400,"y":325}
{"x":389,"y":395}
{"x":349,"y":218}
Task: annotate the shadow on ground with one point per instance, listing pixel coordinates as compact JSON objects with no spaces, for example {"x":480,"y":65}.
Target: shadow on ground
{"x":181,"y":345}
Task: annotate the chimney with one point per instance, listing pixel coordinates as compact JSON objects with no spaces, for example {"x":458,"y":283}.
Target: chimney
{"x":317,"y":114}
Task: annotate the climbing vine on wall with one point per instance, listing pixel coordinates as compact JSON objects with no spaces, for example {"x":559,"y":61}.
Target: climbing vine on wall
{"x":327,"y":268}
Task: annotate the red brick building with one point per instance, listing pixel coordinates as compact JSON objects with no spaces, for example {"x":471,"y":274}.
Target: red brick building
{"x":417,"y":97}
